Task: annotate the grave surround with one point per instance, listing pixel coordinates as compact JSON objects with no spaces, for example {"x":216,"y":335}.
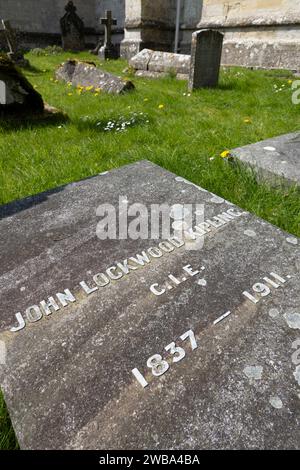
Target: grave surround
{"x":67,"y":378}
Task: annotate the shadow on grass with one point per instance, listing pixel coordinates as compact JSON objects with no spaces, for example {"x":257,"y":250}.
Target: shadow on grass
{"x":230,"y":85}
{"x":32,"y":69}
{"x":14,"y":122}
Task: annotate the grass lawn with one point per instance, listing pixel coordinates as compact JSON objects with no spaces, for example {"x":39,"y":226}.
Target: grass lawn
{"x":184,"y":134}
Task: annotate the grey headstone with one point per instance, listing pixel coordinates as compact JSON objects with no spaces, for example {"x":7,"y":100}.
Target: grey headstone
{"x":72,"y":29}
{"x":67,"y":377}
{"x":276,"y":160}
{"x":206,"y":54}
{"x":87,"y":74}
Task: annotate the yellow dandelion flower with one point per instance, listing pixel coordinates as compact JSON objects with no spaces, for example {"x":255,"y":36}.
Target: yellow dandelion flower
{"x":161,"y":106}
{"x":225,"y":154}
{"x":89,"y":88}
{"x":97,"y":90}
{"x":70,"y":94}
{"x":96,"y":94}
{"x":247,"y":121}
{"x":290,"y":82}
{"x":146,"y":99}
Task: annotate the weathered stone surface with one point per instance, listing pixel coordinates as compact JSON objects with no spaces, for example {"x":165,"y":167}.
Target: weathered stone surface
{"x":72,"y":29}
{"x":168,"y":62}
{"x":205,"y":58}
{"x":148,"y":74}
{"x":16,"y":93}
{"x":67,"y":378}
{"x":148,"y":24}
{"x":278,"y":55}
{"x":277,"y":159}
{"x":141,"y":60}
{"x":158,"y":62}
{"x":87,"y":74}
{"x":262,"y":34}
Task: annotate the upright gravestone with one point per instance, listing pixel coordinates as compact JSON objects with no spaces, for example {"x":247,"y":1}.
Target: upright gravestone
{"x":147,"y":343}
{"x":206,"y":55}
{"x":14,"y":52}
{"x":108,"y":50}
{"x":72,"y":29}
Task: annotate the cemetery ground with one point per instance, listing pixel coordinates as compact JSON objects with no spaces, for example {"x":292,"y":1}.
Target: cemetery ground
{"x":160,"y":121}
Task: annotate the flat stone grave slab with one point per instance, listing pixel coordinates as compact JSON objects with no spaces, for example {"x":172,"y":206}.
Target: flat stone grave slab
{"x":277,"y":159}
{"x":144,"y":344}
{"x":88,"y":75}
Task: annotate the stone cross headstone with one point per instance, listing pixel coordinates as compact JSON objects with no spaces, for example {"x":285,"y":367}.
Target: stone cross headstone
{"x":11,"y":38}
{"x":206,"y":55}
{"x":133,"y":342}
{"x":72,"y":29}
{"x":108,"y":50}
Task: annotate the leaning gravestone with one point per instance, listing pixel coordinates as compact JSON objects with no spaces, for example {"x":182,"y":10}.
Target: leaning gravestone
{"x":72,"y":29}
{"x":14,"y":53}
{"x":16,"y":93}
{"x":206,"y":55}
{"x":86,"y":74}
{"x":144,"y":343}
{"x":276,"y":160}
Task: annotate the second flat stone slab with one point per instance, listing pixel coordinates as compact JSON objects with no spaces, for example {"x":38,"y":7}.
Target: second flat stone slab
{"x":276,"y":159}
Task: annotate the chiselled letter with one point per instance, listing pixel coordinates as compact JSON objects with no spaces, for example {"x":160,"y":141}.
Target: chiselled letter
{"x":65,"y":297}
{"x":48,"y":304}
{"x":155,"y":291}
{"x":33,"y":314}
{"x":21,"y":323}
